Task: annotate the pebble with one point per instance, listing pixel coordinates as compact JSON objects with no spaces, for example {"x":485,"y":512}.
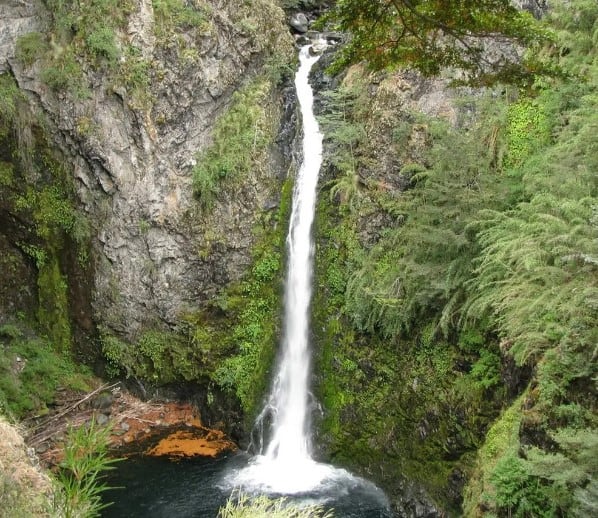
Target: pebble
{"x":42,"y":448}
{"x":101,"y":419}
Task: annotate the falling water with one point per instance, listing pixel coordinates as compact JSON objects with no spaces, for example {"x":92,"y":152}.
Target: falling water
{"x":290,"y":442}
{"x":286,"y":466}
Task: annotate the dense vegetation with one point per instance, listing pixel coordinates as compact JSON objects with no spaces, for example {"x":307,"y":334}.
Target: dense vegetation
{"x":479,"y":284}
{"x":431,"y":35}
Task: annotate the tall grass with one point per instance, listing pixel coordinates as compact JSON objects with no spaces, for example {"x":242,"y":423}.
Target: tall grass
{"x":81,"y":475}
{"x":243,"y":506}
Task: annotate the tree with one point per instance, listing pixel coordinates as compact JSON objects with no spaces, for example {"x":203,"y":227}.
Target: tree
{"x":482,"y":38}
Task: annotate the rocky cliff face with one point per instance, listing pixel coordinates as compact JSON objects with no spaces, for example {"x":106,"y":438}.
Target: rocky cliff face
{"x":131,"y":143}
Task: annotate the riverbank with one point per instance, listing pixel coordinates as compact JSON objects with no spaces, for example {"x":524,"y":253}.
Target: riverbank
{"x":159,"y":428}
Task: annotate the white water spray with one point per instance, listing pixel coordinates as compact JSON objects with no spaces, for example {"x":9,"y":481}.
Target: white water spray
{"x":290,"y":441}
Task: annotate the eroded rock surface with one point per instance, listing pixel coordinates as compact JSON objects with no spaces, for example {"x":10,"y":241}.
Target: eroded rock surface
{"x":155,"y":254}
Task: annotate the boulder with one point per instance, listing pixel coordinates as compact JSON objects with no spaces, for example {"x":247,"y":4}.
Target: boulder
{"x":299,"y":22}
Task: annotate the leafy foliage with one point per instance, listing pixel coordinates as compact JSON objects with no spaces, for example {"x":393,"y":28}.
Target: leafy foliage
{"x":429,"y":35}
{"x":486,"y":261}
{"x":85,"y":463}
{"x":420,"y":266}
{"x":343,"y":131}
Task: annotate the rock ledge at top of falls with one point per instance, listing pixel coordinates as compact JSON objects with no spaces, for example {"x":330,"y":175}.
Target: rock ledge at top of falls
{"x":155,"y":254}
{"x":299,"y":22}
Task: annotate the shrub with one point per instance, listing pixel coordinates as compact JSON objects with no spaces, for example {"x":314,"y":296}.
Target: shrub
{"x":241,"y":136}
{"x":31,"y":370}
{"x":65,"y":73}
{"x":30,"y":47}
{"x":101,"y":42}
{"x":176,"y":14}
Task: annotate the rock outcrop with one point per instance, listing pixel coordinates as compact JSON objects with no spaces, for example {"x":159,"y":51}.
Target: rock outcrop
{"x":131,"y":153}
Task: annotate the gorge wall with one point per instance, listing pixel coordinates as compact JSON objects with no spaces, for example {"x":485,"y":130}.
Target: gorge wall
{"x":130,"y":134}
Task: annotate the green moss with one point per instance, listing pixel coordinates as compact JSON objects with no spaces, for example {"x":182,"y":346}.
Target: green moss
{"x":241,"y":137}
{"x":51,"y":208}
{"x":31,"y":370}
{"x":53,"y":310}
{"x":6,"y":174}
{"x":157,"y":356}
{"x":38,"y":192}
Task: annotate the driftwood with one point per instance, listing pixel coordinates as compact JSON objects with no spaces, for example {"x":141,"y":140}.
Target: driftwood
{"x":44,"y":435}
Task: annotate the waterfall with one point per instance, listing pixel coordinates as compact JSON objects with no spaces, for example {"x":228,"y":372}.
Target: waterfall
{"x":286,"y":466}
{"x":288,"y":403}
